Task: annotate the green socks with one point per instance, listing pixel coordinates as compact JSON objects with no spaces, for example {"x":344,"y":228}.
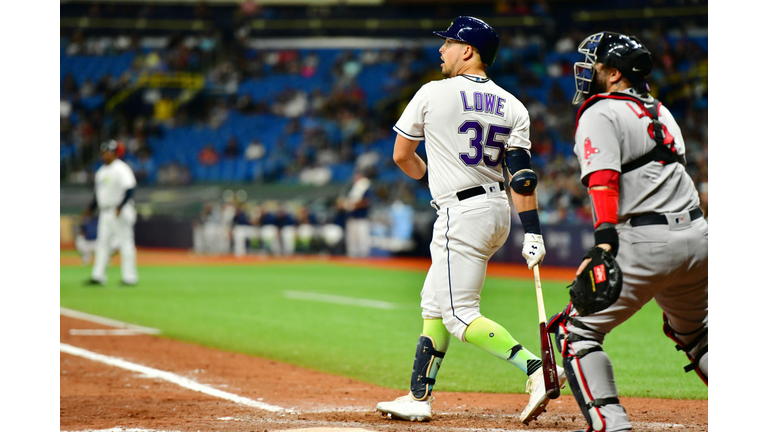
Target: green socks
{"x":491,"y":337}
{"x":435,"y":329}
{"x":428,"y":358}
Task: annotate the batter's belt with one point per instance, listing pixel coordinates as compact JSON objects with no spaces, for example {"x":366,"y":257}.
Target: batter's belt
{"x":455,"y":197}
{"x":660,"y":219}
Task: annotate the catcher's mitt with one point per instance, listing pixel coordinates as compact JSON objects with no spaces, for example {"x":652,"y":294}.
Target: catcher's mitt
{"x":599,"y":285}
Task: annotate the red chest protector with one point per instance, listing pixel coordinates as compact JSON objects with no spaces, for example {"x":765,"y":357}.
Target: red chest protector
{"x":664,"y":151}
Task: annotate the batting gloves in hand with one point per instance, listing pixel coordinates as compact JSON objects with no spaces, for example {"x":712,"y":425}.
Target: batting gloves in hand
{"x":533,"y":249}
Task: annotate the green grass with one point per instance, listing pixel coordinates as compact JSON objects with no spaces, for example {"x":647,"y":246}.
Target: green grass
{"x":244,"y":309}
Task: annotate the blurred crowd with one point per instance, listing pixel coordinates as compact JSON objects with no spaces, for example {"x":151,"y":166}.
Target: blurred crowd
{"x":341,"y":124}
{"x":346,"y":225}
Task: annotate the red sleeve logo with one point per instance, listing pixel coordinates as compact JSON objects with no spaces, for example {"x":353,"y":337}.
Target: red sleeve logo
{"x":588,"y":149}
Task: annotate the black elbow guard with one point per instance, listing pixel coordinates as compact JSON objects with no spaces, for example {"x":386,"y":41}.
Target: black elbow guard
{"x":522,"y":178}
{"x":524,"y":182}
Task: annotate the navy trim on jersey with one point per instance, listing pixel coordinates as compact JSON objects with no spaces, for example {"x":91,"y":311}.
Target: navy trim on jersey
{"x":475,"y":79}
{"x":407,"y":134}
{"x":448,"y":259}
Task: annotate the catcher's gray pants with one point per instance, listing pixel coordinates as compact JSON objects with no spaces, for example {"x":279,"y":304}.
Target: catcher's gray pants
{"x":667,"y":263}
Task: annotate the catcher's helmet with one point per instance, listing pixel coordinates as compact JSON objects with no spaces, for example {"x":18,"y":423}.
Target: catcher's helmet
{"x":625,"y":53}
{"x":474,"y":32}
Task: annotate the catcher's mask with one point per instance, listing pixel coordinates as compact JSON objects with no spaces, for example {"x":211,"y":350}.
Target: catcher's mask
{"x":625,"y":53}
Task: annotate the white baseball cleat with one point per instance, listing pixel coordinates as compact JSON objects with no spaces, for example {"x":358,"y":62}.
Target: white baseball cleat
{"x":539,"y":400}
{"x":408,"y":408}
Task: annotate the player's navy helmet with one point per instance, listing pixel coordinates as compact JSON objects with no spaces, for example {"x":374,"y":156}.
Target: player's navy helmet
{"x":625,"y":53}
{"x":474,"y":32}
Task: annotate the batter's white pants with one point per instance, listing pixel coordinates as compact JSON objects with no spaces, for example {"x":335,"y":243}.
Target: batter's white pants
{"x":464,"y":237}
{"x":358,"y":235}
{"x":112,"y":228}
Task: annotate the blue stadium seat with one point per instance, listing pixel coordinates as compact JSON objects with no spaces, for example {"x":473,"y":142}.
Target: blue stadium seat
{"x":92,"y":102}
{"x":342,"y":173}
{"x":227,"y":169}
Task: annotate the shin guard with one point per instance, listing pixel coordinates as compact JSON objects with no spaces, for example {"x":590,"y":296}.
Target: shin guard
{"x":425,"y":367}
{"x":597,"y":403}
{"x":697,"y":356}
{"x":589,"y":373}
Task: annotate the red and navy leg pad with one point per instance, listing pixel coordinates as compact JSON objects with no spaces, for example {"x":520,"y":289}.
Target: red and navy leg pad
{"x":694,"y":354}
{"x":589,"y":372}
{"x":556,"y":326}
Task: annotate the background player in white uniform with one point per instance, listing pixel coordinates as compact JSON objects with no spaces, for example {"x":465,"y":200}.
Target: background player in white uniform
{"x":470,"y":126}
{"x":358,"y":227}
{"x":646,"y":211}
{"x":114,"y":184}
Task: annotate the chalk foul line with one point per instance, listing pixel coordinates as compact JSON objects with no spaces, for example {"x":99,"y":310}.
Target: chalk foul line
{"x":170,"y":377}
{"x":329,"y":298}
{"x":107,"y":321}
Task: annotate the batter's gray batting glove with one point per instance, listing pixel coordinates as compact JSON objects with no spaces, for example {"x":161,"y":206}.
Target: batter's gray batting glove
{"x":533,"y":249}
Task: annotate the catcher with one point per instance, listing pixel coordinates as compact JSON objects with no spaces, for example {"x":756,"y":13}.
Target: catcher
{"x":650,"y":236}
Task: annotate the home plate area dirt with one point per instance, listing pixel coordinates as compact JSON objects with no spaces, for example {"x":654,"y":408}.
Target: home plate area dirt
{"x":97,"y":396}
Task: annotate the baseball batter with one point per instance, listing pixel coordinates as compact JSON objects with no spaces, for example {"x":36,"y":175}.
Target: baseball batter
{"x":114,"y":185}
{"x":646,"y":213}
{"x":471,"y":128}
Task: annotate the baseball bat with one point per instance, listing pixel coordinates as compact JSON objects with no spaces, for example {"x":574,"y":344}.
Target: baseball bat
{"x":551,"y":381}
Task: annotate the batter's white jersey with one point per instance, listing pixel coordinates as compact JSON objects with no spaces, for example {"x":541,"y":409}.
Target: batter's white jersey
{"x":466,"y":122}
{"x":613,"y":132}
{"x":112,"y":181}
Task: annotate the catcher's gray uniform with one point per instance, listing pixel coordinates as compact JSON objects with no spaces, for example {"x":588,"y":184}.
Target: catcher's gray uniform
{"x":662,"y":253}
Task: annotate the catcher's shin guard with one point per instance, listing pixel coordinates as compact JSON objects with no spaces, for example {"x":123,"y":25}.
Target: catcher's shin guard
{"x":556,"y":325}
{"x":425,"y":367}
{"x":695,"y":350}
{"x":583,"y":360}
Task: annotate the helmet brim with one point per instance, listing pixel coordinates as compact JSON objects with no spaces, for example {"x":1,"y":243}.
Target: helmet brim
{"x":446,"y":35}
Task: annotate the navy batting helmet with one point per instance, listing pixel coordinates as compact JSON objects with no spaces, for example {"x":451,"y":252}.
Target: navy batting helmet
{"x":474,"y":32}
{"x":625,"y":53}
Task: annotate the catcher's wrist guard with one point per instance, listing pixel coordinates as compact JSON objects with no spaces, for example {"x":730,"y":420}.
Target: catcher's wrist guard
{"x":606,"y":233}
{"x":599,"y":284}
